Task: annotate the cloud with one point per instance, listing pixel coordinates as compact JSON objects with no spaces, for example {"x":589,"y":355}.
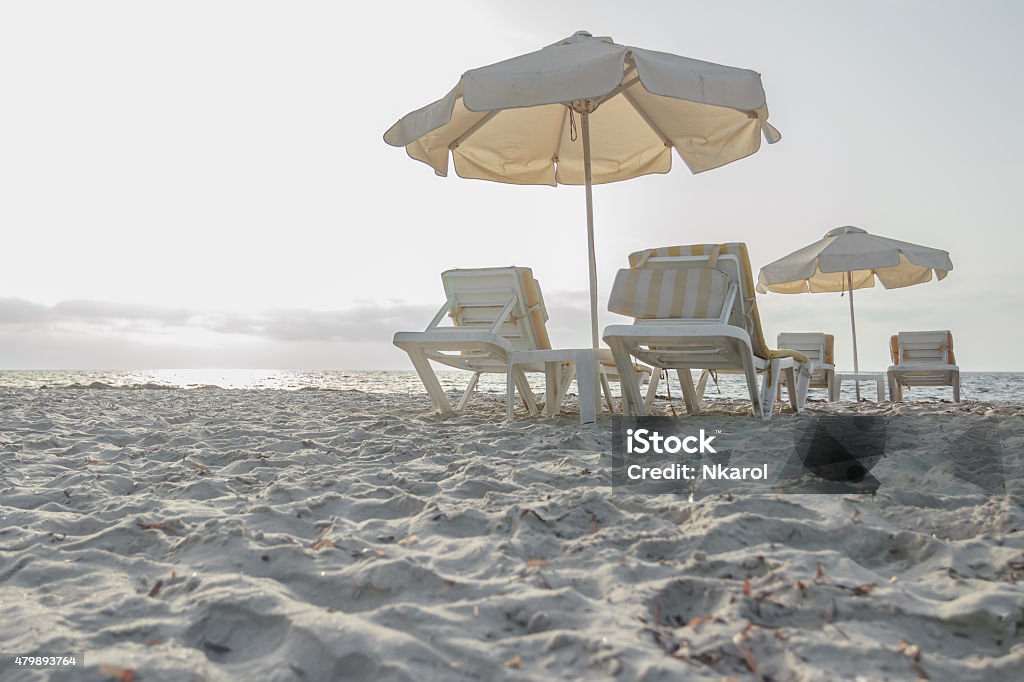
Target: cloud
{"x":364,"y":322}
{"x":360,"y":323}
{"x":19,"y":312}
{"x":103,"y":334}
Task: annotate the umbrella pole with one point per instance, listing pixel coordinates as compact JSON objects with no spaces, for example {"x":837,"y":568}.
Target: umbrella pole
{"x":585,"y":124}
{"x":853,"y":327}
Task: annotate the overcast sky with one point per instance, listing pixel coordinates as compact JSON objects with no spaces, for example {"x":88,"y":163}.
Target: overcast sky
{"x":204,"y":184}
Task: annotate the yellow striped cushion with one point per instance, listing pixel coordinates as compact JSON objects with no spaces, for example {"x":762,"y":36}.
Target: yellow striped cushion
{"x":647,"y":293}
{"x":753,"y":322}
{"x":539,"y":315}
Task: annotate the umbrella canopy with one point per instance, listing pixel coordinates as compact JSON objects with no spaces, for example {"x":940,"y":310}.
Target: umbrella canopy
{"x":587,"y":110}
{"x":849,"y":258}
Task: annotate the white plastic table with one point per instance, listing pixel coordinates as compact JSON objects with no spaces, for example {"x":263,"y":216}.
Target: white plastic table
{"x":877,"y":377}
{"x":587,"y":363}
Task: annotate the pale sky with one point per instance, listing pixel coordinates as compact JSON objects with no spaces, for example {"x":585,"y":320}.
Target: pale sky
{"x":205,"y":184}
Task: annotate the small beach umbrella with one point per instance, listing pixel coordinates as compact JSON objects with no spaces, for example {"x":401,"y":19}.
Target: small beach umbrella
{"x":587,"y":111}
{"x":849,"y":258}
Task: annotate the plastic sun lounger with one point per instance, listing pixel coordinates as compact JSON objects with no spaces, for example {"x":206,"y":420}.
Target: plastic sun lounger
{"x":495,"y":313}
{"x":819,"y":348}
{"x":922,"y":359}
{"x":694,"y":308}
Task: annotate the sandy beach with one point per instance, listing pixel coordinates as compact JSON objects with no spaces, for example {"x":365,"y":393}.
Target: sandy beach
{"x":309,"y":535}
{"x":258,"y":257}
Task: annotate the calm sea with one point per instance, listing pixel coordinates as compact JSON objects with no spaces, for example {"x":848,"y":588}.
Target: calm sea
{"x":985,"y":386}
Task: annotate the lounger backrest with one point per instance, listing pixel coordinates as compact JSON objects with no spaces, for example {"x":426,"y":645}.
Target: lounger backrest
{"x":729,"y":259}
{"x":817,"y":347}
{"x":922,"y":348}
{"x":479,"y":297}
{"x":683,"y":289}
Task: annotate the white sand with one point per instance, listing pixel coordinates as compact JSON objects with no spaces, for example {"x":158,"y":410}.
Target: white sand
{"x":319,"y":535}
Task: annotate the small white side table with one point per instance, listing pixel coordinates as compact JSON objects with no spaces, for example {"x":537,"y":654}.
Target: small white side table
{"x":877,"y":377}
{"x":587,"y":364}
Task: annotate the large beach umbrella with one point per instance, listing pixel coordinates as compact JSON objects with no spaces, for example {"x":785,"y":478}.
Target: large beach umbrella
{"x":586,"y":111}
{"x":849,"y":258}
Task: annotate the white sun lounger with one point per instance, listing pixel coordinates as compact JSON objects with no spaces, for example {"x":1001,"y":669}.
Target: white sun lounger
{"x":495,"y":312}
{"x":922,"y":359}
{"x":694,"y":308}
{"x":818,"y":348}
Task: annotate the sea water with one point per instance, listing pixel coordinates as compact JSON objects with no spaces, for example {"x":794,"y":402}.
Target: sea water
{"x":984,"y":386}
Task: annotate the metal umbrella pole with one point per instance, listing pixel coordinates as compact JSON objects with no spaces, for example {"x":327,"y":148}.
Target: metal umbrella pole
{"x":594,"y":339}
{"x":590,"y":228}
{"x":853,"y":326}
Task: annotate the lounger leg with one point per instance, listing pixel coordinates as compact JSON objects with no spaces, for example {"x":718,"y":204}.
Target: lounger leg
{"x":833,"y":389}
{"x":771,"y":378}
{"x":568,"y":374}
{"x":755,"y":396}
{"x":652,"y":388}
{"x":607,"y":390}
{"x":956,"y":387}
{"x":510,"y":395}
{"x":789,"y":378}
{"x":524,"y":391}
{"x":689,"y":392}
{"x":557,"y":377}
{"x":469,"y":391}
{"x":552,"y":387}
{"x":429,"y":379}
{"x":702,"y":383}
{"x":804,"y":374}
{"x":895,"y":392}
{"x":803,"y":384}
{"x":631,"y":402}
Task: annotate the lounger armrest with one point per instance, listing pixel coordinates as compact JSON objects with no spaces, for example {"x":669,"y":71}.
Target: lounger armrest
{"x":923,"y":367}
{"x":701,"y":329}
{"x":440,"y":315}
{"x":442,"y":336}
